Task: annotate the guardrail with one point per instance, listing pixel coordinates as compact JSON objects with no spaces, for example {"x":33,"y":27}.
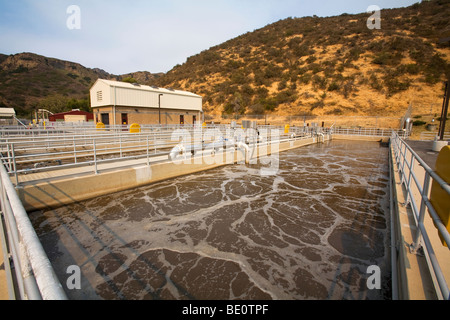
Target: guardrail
{"x":87,"y":146}
{"x":33,"y":277}
{"x":408,"y":162}
{"x":428,"y":135}
{"x":372,"y":132}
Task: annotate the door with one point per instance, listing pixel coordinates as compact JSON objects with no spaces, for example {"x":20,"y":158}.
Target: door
{"x":105,"y":119}
{"x":124,"y":121}
{"x":194,"y":119}
{"x":124,"y":118}
{"x":182,"y":119}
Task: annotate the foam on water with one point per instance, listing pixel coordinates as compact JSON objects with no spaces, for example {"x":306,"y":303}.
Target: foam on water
{"x":310,"y":232}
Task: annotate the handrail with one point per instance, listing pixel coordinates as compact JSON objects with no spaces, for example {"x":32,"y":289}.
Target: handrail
{"x":34,"y":273}
{"x":405,"y":162}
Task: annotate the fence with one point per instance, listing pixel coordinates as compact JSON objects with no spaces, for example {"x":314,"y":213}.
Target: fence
{"x":427,"y":135}
{"x":32,"y":151}
{"x":370,"y":132}
{"x":411,"y":168}
{"x":304,"y":120}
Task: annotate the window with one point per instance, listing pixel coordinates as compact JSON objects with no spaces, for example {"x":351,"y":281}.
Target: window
{"x":99,"y":95}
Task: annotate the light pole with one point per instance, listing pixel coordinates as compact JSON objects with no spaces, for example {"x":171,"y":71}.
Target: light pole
{"x":159,"y":107}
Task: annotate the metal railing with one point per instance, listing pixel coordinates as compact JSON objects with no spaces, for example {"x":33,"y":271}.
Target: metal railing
{"x":372,"y":132}
{"x":30,"y":275}
{"x":86,"y":146}
{"x":409,"y":163}
{"x":428,"y":135}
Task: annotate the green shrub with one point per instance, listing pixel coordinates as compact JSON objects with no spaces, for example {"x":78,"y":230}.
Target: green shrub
{"x":418,"y":123}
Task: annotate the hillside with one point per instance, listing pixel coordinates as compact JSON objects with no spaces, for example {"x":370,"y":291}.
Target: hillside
{"x":297,"y":66}
{"x":320,"y":66}
{"x":29,"y":80}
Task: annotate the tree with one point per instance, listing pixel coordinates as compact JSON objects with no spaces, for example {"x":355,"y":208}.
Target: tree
{"x":129,"y":80}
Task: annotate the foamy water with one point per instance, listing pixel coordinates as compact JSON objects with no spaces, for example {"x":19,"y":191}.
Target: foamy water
{"x":310,"y":232}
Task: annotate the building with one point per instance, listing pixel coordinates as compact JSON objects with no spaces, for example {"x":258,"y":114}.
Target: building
{"x":8,"y":116}
{"x":121,"y":103}
{"x":76,"y":115}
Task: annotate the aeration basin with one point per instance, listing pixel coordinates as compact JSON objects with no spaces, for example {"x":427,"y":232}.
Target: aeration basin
{"x":309,"y":231}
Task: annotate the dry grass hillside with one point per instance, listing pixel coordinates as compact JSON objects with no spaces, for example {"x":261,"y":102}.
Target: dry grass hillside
{"x":326,"y":66}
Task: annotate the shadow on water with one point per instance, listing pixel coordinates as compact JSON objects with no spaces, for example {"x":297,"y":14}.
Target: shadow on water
{"x":310,"y":232}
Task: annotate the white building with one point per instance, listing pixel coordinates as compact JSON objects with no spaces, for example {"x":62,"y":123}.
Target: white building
{"x":7,"y":116}
{"x":118,"y":103}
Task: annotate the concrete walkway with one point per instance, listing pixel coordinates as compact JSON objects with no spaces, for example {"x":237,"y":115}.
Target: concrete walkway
{"x":3,"y":284}
{"x":418,"y":285}
{"x":424,"y":151}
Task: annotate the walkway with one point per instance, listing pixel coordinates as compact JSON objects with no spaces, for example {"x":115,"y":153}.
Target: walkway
{"x":3,"y":286}
{"x":418,"y":284}
{"x":424,"y":151}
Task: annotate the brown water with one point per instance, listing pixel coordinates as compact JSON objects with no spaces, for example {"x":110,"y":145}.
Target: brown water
{"x":310,"y":232}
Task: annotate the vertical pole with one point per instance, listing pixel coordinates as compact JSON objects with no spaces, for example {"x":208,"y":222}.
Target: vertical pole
{"x":411,"y":168}
{"x":426,"y":186}
{"x":444,"y":111}
{"x":148,"y":159}
{"x":95,"y":157}
{"x":120,"y":145}
{"x":74,"y":149}
{"x":15,"y":164}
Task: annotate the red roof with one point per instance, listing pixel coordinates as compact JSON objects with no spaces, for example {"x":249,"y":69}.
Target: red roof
{"x":60,"y":116}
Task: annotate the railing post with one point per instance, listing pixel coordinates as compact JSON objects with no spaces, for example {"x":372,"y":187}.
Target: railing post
{"x":14,"y":164}
{"x":74,"y":149}
{"x":411,"y":168}
{"x":425,"y":189}
{"x":148,"y":158}
{"x":120,"y":145}
{"x":95,"y":157}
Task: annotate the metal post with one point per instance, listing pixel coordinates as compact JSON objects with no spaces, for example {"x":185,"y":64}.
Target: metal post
{"x":120,"y":145}
{"x":95,"y":157}
{"x":444,"y":111}
{"x":148,"y":159}
{"x":74,"y":149}
{"x":14,"y":164}
{"x":159,"y":107}
{"x":411,"y":168}
{"x":426,"y":186}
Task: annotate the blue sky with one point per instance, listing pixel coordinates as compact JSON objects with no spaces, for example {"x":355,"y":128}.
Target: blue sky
{"x":145,"y":35}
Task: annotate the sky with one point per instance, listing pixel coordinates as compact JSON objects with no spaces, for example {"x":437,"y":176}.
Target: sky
{"x":122,"y":36}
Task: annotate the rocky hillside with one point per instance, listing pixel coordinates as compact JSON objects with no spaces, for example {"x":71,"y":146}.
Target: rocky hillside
{"x":29,"y":81}
{"x":320,"y":66}
{"x":297,"y":66}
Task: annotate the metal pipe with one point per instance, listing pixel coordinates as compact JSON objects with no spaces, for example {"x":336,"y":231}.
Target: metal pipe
{"x":49,"y":286}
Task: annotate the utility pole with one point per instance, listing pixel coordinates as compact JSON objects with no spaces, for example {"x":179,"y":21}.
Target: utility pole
{"x":446,"y":99}
{"x":444,"y":111}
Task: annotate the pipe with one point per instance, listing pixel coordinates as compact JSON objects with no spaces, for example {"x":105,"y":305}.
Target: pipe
{"x":246,"y":149}
{"x":321,"y":135}
{"x":176,"y":151}
{"x":48,"y":283}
